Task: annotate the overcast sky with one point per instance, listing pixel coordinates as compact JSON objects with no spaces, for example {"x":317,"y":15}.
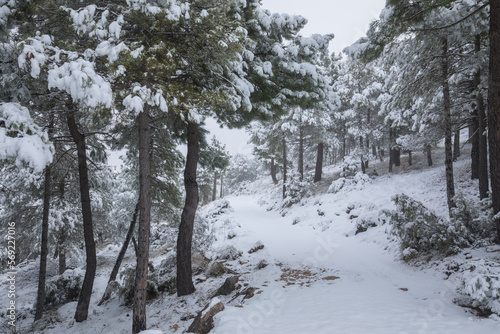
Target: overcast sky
{"x":348,"y":20}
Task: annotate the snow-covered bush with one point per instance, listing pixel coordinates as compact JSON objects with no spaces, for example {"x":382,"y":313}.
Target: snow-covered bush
{"x":349,"y":167}
{"x":481,"y":282}
{"x":356,"y":181}
{"x":229,"y":253}
{"x":477,"y":224}
{"x":64,"y":288}
{"x":296,"y":190}
{"x":421,"y":232}
{"x":128,"y":277}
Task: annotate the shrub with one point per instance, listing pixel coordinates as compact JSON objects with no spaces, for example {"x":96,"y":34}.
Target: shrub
{"x":421,"y":231}
{"x":64,"y":288}
{"x":296,"y":190}
{"x":481,"y":282}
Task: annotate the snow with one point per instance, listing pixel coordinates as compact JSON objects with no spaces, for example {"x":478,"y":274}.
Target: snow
{"x":320,"y":276}
{"x":79,"y":79}
{"x":30,"y":145}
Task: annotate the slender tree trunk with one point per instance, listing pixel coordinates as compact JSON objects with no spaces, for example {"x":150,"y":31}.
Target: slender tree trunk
{"x":410,"y":158}
{"x":42,"y":274}
{"x":121,"y":255}
{"x":374,"y":150}
{"x":450,"y":184}
{"x":284,"y":168}
{"x":221,"y":184}
{"x":273,"y":171}
{"x":363,"y":167}
{"x":456,"y":146}
{"x":481,"y":139}
{"x":428,"y":151}
{"x":391,"y":156}
{"x":301,"y":154}
{"x":141,"y":270}
{"x":319,"y":162}
{"x":184,"y":271}
{"x":214,"y":190}
{"x":82,"y":308}
{"x":494,"y":109}
{"x":61,"y":251}
{"x":474,"y":140}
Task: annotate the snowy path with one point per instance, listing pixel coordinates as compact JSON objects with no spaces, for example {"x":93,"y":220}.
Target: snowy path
{"x":375,"y":293}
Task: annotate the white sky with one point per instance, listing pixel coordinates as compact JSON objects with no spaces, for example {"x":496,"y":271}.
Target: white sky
{"x":348,"y":20}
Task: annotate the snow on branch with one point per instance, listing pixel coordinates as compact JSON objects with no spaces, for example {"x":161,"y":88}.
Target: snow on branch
{"x":21,"y":139}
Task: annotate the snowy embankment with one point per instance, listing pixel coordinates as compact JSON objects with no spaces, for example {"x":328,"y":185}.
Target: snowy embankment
{"x":304,"y":269}
{"x":374,"y":292}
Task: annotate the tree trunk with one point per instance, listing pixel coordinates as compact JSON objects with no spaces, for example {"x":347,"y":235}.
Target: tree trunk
{"x":319,"y":163}
{"x":363,"y":166}
{"x":221,"y":183}
{"x":82,"y":308}
{"x":391,"y":156}
{"x":481,"y":138}
{"x":397,"y":157}
{"x":474,"y":140}
{"x":214,"y":190}
{"x":456,"y":146}
{"x":494,"y":109}
{"x":284,"y":168}
{"x":61,"y":251}
{"x":410,"y":158}
{"x":121,"y":255}
{"x":301,"y":154}
{"x":450,"y":184}
{"x":141,"y":270}
{"x":42,"y":275}
{"x":428,"y":151}
{"x":184,"y":271}
{"x":374,"y":150}
{"x":273,"y":171}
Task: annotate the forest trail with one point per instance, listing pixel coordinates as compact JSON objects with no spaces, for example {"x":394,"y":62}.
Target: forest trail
{"x":375,"y":293}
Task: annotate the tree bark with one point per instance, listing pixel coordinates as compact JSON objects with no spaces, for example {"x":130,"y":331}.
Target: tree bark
{"x":319,"y":162}
{"x":184,"y":271}
{"x":273,"y":171}
{"x":121,"y":255}
{"x":141,"y":270}
{"x":474,"y":140}
{"x":42,"y":274}
{"x":82,"y":307}
{"x":221,"y":184}
{"x":301,"y":154}
{"x":456,"y":146}
{"x":61,"y":251}
{"x":494,"y":109}
{"x":428,"y":151}
{"x":450,"y":184}
{"x":214,"y":190}
{"x":284,"y":168}
{"x":481,"y":138}
{"x":410,"y":158}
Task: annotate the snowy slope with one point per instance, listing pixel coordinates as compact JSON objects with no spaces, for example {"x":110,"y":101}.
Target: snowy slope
{"x":320,"y":276}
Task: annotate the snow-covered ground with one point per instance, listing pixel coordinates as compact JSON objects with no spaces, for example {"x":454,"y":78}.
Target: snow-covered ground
{"x":316,"y":275}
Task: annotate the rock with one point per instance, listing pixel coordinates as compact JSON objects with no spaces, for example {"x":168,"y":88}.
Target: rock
{"x":228,"y":286}
{"x":204,"y":321}
{"x":262,"y":264}
{"x":331,"y":278}
{"x":216,"y":269}
{"x":258,"y":246}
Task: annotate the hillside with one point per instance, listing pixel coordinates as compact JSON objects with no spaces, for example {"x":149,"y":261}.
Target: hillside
{"x":313,"y":268}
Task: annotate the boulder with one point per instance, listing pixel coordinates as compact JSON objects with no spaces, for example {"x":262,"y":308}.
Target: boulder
{"x":228,"y":286}
{"x":204,"y":321}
